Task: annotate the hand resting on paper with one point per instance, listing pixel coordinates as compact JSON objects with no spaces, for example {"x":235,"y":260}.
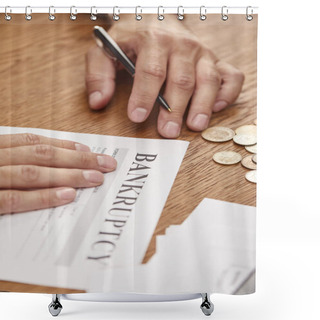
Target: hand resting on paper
{"x":37,"y":172}
{"x":164,"y":52}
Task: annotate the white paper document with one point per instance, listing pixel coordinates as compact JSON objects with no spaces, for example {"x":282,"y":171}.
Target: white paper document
{"x":97,"y":243}
{"x":213,"y":250}
{"x":105,"y":228}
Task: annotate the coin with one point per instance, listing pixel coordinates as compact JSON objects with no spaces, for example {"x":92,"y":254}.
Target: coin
{"x":252,"y":176}
{"x":248,"y":163}
{"x":249,"y":129}
{"x":227,"y":157}
{"x":218,"y":134}
{"x":252,"y":149}
{"x":254,"y":158}
{"x":245,"y":139}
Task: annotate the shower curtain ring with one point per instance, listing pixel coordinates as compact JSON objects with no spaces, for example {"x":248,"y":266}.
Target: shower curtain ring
{"x":6,"y":13}
{"x":116,"y":16}
{"x":224,"y":13}
{"x":73,"y":13}
{"x":28,"y":16}
{"x":160,"y":16}
{"x":52,"y":11}
{"x":203,"y":13}
{"x":93,"y":16}
{"x":249,"y":17}
{"x":138,"y":16}
{"x":180,"y":13}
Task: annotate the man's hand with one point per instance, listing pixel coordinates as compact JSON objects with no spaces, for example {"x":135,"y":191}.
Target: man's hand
{"x":169,"y":53}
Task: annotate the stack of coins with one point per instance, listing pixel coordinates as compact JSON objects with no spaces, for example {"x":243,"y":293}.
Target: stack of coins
{"x":245,"y":136}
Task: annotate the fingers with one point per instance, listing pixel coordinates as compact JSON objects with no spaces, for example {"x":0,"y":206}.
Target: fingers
{"x":179,"y":89}
{"x":100,"y":78}
{"x":50,"y":156}
{"x":192,"y":71}
{"x":149,"y":76}
{"x":13,"y":201}
{"x":26,"y":139}
{"x":35,"y":177}
{"x":232,"y":81}
{"x":29,"y":161}
{"x":208,"y":82}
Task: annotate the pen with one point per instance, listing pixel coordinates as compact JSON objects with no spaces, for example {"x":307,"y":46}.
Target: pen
{"x":112,"y":49}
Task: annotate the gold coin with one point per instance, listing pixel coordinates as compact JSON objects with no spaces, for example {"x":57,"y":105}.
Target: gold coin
{"x":254,"y":158}
{"x":252,"y":149}
{"x":227,"y":157}
{"x":248,"y":163}
{"x":252,"y":176}
{"x":245,"y":139}
{"x":218,"y":134}
{"x":249,"y":129}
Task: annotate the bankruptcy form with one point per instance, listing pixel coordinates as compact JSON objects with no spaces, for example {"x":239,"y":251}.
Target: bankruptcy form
{"x":106,"y":227}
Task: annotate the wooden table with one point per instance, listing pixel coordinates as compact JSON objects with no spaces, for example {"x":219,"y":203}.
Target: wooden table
{"x":42,"y":67}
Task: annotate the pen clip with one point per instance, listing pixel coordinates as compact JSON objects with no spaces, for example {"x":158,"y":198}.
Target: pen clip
{"x":112,"y":49}
{"x":105,"y":49}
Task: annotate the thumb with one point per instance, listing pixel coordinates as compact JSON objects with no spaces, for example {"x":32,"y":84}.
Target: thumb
{"x":100,"y":78}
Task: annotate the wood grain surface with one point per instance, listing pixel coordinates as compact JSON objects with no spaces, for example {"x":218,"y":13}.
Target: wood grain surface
{"x":42,"y":85}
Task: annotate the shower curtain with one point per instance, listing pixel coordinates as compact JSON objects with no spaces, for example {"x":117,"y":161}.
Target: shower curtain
{"x":127,"y":180}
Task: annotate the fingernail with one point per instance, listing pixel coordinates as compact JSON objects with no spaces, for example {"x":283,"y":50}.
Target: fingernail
{"x":66,"y":194}
{"x":138,"y":114}
{"x":219,"y":105}
{"x":93,"y":176}
{"x":82,"y":147}
{"x":107,"y":162}
{"x":95,"y":98}
{"x":172,"y":129}
{"x":200,"y":121}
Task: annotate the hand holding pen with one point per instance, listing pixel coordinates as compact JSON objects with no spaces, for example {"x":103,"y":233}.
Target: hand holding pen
{"x":105,"y":41}
{"x":168,"y":54}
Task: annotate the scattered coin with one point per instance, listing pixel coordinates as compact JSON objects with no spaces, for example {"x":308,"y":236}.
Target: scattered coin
{"x":252,"y":149}
{"x":245,"y":139}
{"x":254,"y":158}
{"x":248,"y":163}
{"x":246,"y":136}
{"x":252,"y":176}
{"x":218,"y":134}
{"x":227,"y":157}
{"x":249,"y":129}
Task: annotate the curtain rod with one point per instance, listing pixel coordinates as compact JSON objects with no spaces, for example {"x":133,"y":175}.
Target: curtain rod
{"x":128,"y":9}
